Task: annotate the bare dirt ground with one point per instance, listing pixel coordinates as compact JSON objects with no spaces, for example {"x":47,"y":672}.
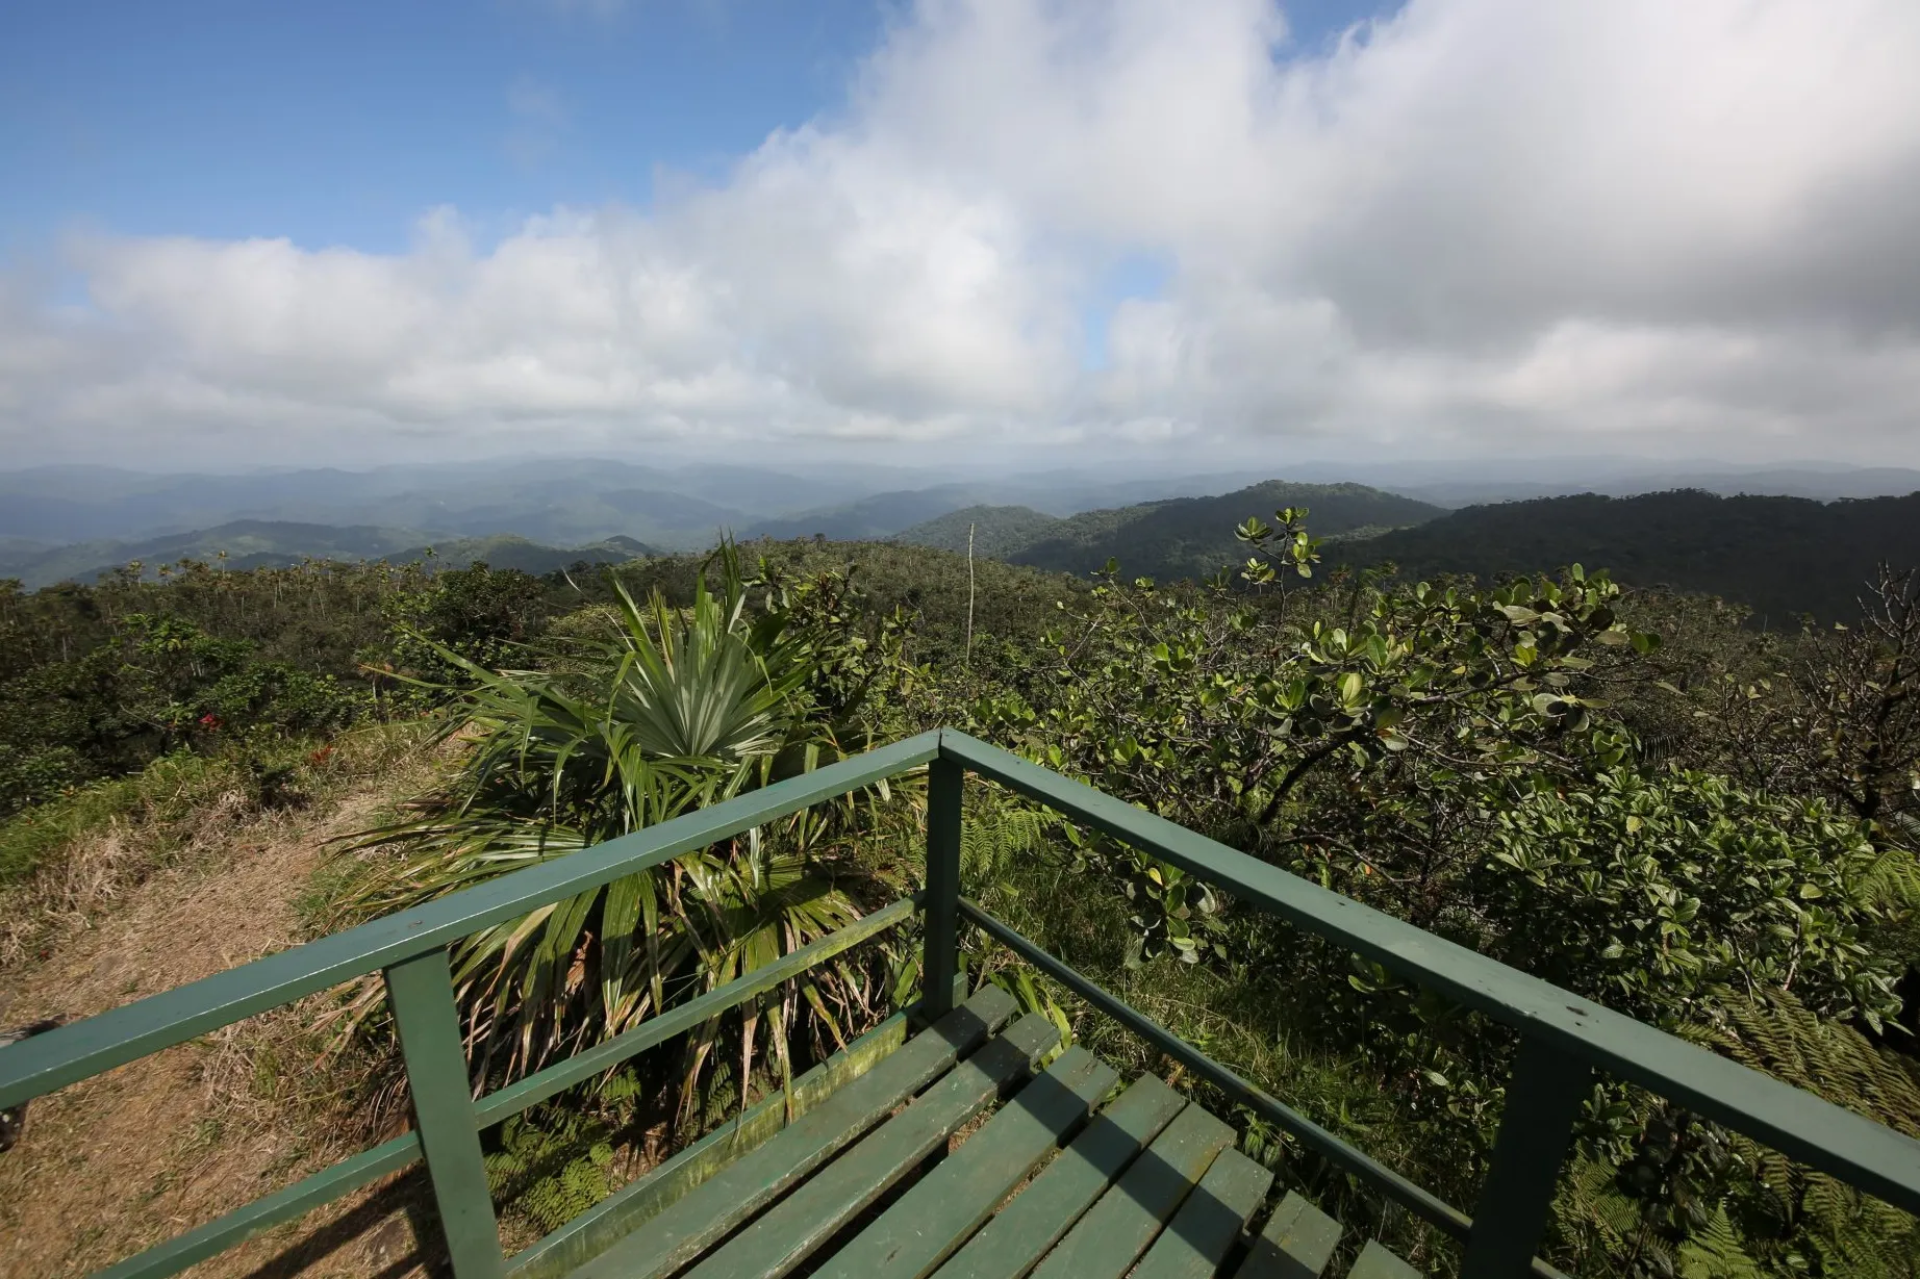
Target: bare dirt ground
{"x":145,"y":1152}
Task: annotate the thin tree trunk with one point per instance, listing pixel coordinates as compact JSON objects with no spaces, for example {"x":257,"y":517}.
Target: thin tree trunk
{"x":969,"y":657}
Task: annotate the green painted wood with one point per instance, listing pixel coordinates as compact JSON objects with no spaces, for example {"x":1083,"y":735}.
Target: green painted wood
{"x":1011,"y":1244}
{"x":584,"y":1065}
{"x":638,"y":1202}
{"x":1536,"y":1127}
{"x":1117,"y":1229}
{"x":1312,"y":1135}
{"x":1375,"y":1262}
{"x":1200,"y":1235}
{"x":84,"y":1048}
{"x":709,"y":1212}
{"x":420,"y":991}
{"x":946,"y":783}
{"x":176,"y":1254}
{"x":1853,"y":1148}
{"x":1831,"y":1138}
{"x":793,"y":1229}
{"x":928,"y":1222}
{"x":1296,"y":1243}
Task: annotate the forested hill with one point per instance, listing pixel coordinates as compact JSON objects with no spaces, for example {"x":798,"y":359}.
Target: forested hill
{"x":993,"y":531}
{"x":244,"y":544}
{"x":1188,"y":537}
{"x":1780,"y":556}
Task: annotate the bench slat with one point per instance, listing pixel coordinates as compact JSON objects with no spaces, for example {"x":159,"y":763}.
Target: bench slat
{"x":792,"y":1229}
{"x":1296,"y":1243}
{"x":733,"y":1194}
{"x":1011,"y":1244}
{"x":919,"y":1232}
{"x":1201,"y":1234}
{"x":1116,"y":1230}
{"x":1375,"y":1262}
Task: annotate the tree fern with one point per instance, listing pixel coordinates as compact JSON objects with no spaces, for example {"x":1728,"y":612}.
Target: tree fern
{"x":998,"y":831}
{"x":554,"y":1168}
{"x":1715,"y":1251}
{"x":1843,"y":1231}
{"x":1690,"y":1200}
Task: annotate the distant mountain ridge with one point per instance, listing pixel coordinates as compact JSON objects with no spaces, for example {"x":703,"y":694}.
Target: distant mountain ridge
{"x":1186,"y":537}
{"x":994,"y":532}
{"x":683,"y":506}
{"x":553,"y":501}
{"x":870,"y":518}
{"x":1780,"y":556}
{"x":274,"y":544}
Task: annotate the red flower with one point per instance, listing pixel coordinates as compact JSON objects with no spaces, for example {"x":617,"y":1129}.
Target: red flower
{"x":209,"y":720}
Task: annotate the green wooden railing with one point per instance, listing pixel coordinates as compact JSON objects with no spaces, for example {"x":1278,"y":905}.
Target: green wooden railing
{"x":1564,"y":1039}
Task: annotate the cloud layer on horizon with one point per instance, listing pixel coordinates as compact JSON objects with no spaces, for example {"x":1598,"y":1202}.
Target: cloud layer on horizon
{"x":1486,"y":224}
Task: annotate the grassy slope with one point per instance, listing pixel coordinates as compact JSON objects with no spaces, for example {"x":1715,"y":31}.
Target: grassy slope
{"x":146,"y":884}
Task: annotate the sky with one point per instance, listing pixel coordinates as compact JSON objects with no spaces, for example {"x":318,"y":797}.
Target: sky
{"x":959,"y":230}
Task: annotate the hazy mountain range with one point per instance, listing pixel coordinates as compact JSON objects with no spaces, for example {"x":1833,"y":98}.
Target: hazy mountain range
{"x":1176,"y":538}
{"x":568,"y":501}
{"x":244,"y":544}
{"x":1802,"y":540}
{"x":577,"y":501}
{"x":1780,"y":556}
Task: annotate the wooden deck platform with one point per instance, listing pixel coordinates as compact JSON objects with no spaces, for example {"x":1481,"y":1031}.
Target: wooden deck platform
{"x":1062,"y":1173}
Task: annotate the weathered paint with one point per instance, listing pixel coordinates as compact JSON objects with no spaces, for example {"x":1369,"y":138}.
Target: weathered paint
{"x":1296,"y":1243}
{"x":1021,"y":1233}
{"x":421,"y":993}
{"x":1375,"y":1262}
{"x":794,"y":1228}
{"x":1110,"y":1238}
{"x":1201,"y":1234}
{"x":633,"y":1205}
{"x":709,"y":1212}
{"x":928,"y":1222}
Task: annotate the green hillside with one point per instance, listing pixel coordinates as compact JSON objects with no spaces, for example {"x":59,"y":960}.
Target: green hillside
{"x":1192,"y":537}
{"x":247,"y":544}
{"x":1780,"y":556}
{"x":1618,"y":794}
{"x":997,"y":531}
{"x":509,"y":552}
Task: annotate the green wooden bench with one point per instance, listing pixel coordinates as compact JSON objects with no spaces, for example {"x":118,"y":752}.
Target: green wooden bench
{"x":1070,"y":1177}
{"x":848,"y":1171}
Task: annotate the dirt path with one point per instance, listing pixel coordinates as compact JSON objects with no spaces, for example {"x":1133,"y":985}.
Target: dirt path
{"x":147,"y":1151}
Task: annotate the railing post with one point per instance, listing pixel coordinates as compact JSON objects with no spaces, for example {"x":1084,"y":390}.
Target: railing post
{"x":1543,"y":1101}
{"x":941,"y":962}
{"x":421,"y":990}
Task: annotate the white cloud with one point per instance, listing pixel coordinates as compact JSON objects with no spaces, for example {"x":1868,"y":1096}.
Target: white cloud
{"x":1480,"y":224}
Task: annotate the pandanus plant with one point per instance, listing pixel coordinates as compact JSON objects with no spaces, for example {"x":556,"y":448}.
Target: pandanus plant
{"x":673,"y":710}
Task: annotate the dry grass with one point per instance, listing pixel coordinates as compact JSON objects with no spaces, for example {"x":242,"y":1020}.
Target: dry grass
{"x":142,"y":1153}
{"x":181,"y":812}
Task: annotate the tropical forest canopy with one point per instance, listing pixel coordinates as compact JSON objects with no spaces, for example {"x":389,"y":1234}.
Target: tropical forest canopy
{"x":1625,"y":788}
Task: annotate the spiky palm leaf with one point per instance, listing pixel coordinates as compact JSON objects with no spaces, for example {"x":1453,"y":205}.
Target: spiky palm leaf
{"x":675,"y":710}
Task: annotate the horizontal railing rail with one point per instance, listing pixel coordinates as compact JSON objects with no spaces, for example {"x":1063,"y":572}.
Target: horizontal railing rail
{"x":393,"y":943}
{"x":1830,"y":1138}
{"x":1564,"y":1039}
{"x":78,"y":1051}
